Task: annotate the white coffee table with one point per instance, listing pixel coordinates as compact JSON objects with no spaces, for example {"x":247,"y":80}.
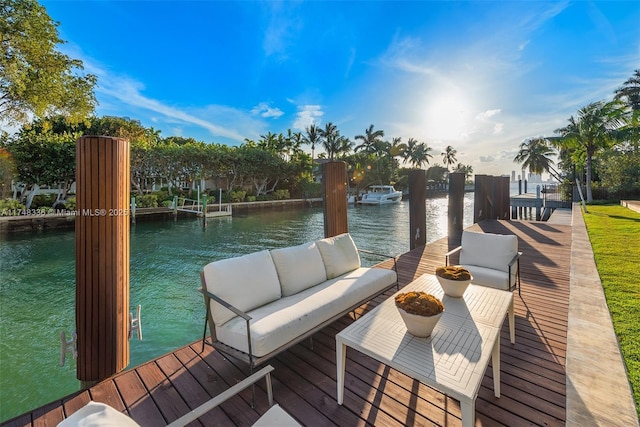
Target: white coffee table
{"x":453,"y":359}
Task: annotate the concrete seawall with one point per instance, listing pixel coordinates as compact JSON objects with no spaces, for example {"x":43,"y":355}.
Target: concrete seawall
{"x":64,"y":220}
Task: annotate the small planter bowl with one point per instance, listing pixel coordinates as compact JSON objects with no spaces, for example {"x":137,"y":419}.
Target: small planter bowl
{"x":454,"y":288}
{"x":419,"y":326}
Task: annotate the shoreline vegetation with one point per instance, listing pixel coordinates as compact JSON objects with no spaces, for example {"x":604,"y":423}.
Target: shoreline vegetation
{"x":611,"y":230}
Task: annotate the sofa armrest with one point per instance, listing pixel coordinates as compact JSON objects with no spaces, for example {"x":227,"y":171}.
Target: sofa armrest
{"x":225,"y":304}
{"x":228,"y":306}
{"x":385,"y":256}
{"x":515,"y":258}
{"x":226,"y":395}
{"x":451,"y":252}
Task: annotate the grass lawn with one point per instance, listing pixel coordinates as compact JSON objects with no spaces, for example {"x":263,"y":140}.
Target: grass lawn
{"x":614,"y":232}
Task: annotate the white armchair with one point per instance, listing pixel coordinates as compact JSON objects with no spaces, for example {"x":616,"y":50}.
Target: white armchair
{"x":492,"y":259}
{"x":96,"y":414}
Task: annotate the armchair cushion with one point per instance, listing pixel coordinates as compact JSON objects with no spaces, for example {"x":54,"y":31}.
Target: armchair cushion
{"x":299,"y":267}
{"x":339,"y":254}
{"x":245,"y":282}
{"x":488,"y":277}
{"x":95,"y":414}
{"x":492,"y":251}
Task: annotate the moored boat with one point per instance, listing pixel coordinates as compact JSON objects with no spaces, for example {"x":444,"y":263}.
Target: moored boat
{"x":381,"y":195}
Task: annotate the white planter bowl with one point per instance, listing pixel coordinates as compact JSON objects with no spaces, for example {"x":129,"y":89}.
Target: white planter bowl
{"x":454,"y":288}
{"x":420,"y":326}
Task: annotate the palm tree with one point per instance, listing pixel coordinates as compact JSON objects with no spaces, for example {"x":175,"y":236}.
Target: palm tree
{"x":630,"y":91}
{"x":467,"y":170}
{"x":312,"y":137}
{"x":534,"y":154}
{"x":394,"y":149}
{"x":330,"y":140}
{"x":370,"y":140}
{"x":595,"y":128}
{"x":417,"y":153}
{"x":449,"y":156}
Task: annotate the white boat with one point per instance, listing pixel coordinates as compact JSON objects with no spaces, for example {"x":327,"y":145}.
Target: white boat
{"x":381,"y":195}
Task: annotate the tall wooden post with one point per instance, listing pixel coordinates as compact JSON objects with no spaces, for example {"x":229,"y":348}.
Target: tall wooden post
{"x":502,"y":207}
{"x":456,"y":206}
{"x":417,"y":208}
{"x":334,"y":193}
{"x":102,"y":257}
{"x":479,"y":199}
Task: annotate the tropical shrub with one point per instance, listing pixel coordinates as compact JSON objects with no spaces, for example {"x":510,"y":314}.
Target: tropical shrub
{"x":281,"y":194}
{"x":237,"y":196}
{"x":70,"y":203}
{"x":251,"y":198}
{"x":11,"y":207}
{"x":147,"y":201}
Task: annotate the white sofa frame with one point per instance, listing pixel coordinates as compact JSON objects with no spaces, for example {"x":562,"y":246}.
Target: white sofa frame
{"x":249,"y":358}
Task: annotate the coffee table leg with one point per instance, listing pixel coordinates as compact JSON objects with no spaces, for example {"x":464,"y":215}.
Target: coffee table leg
{"x":341,"y":353}
{"x":512,"y":323}
{"x":468,"y":410}
{"x":495,"y":363}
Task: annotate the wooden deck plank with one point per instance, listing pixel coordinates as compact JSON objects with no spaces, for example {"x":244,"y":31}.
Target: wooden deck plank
{"x":532,"y":370}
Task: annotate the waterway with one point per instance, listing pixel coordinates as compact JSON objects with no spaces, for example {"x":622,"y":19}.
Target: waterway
{"x":37,"y":284}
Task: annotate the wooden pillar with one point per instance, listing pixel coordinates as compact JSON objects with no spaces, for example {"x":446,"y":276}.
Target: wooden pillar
{"x":417,"y":208}
{"x":456,"y":206}
{"x":102,"y":257}
{"x":480,"y":205}
{"x":502,"y":197}
{"x":334,"y":194}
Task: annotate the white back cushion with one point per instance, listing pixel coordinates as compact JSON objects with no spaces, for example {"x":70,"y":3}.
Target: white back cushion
{"x":298,"y":267}
{"x":245,"y":282}
{"x":488,"y":250}
{"x":339,"y":254}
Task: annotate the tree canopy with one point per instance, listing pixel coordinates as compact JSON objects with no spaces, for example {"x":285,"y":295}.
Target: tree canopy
{"x":35,"y":78}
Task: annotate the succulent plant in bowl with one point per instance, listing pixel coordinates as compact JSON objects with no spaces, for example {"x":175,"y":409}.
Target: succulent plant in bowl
{"x":453,"y":279}
{"x":420,"y":312}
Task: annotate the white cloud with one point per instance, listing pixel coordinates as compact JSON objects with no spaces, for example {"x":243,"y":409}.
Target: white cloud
{"x":498,"y":128}
{"x":487,"y":114}
{"x":307,"y":115}
{"x":265,"y":110}
{"x":487,"y":159}
{"x":121,"y":89}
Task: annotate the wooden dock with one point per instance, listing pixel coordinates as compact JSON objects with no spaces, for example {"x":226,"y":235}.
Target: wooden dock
{"x":533,"y":370}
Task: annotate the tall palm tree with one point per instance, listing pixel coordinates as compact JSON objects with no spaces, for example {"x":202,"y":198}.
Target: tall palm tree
{"x":330,"y":140}
{"x":449,"y":156}
{"x":312,"y":137}
{"x":467,"y":170}
{"x":370,"y":140}
{"x":534,"y":154}
{"x":595,"y":128}
{"x":630,"y":91}
{"x":417,"y":153}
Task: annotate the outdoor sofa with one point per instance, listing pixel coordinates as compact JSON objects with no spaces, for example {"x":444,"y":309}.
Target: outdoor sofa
{"x":262,"y":303}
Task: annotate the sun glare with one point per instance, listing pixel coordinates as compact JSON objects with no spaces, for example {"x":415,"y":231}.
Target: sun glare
{"x":447,"y":117}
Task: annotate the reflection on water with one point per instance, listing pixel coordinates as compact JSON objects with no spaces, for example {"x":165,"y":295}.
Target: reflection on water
{"x":37,"y":284}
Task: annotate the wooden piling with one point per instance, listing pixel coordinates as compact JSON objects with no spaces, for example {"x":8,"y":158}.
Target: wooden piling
{"x":102,"y":257}
{"x":334,"y":194}
{"x":417,"y":208}
{"x":455,"y":213}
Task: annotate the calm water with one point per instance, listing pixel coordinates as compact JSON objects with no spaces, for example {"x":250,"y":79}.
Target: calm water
{"x":37,"y":284}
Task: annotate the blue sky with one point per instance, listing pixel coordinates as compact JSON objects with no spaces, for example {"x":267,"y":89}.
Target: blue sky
{"x":479,"y":76}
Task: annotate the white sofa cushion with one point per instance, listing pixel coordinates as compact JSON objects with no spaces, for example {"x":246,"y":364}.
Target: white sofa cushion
{"x":299,"y":267}
{"x":95,"y":414}
{"x":487,"y":250}
{"x":245,"y":282}
{"x":339,"y":254}
{"x":281,"y":321}
{"x":489,"y":277}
